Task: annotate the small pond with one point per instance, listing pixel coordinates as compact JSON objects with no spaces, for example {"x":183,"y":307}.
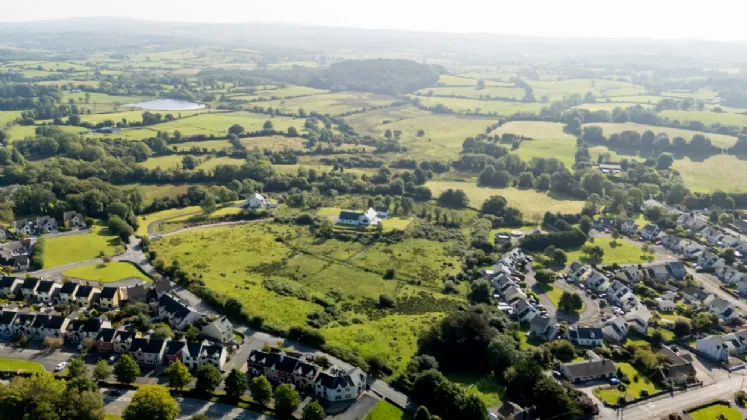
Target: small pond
{"x":167,"y":105}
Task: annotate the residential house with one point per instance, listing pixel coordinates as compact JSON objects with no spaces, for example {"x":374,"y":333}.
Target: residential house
{"x":511,"y":261}
{"x":657,"y":273}
{"x":305,"y":374}
{"x":67,"y":292}
{"x":712,"y":235}
{"x":16,"y":254}
{"x":728,"y":241}
{"x":105,"y":340}
{"x":650,"y":232}
{"x":382,"y":212}
{"x":728,"y":274}
{"x":692,"y":250}
{"x":544,"y":328}
{"x":178,"y":314}
{"x":85,"y":294}
{"x":22,"y":325}
{"x":616,"y":291}
{"x":615,"y":329}
{"x":213,"y":354}
{"x":21,"y":263}
{"x":694,"y":296}
{"x":664,"y":305}
{"x":9,"y":285}
{"x":345,"y":386}
{"x":597,"y":281}
{"x":722,"y":308}
{"x":502,"y":238}
{"x":28,"y":287}
{"x":513,"y":293}
{"x":676,"y":269}
{"x":37,"y":226}
{"x":578,"y":272}
{"x":502,"y":282}
{"x":588,"y":370}
{"x":137,"y":294}
{"x":610,"y":168}
{"x":278,"y":367}
{"x":257,"y":201}
{"x":629,"y":274}
{"x":174,"y":351}
{"x":46,"y":290}
{"x":6,"y":323}
{"x":691,"y":222}
{"x":672,"y":243}
{"x":78,"y":329}
{"x":147,"y":351}
{"x":5,"y":234}
{"x":709,"y":260}
{"x":123,"y":341}
{"x":679,"y":370}
{"x":161,"y":286}
{"x":629,"y":227}
{"x":358,"y":219}
{"x":629,"y":301}
{"x":110,"y":297}
{"x":524,"y":311}
{"x":585,"y":336}
{"x":605,"y":223}
{"x":638,"y":319}
{"x":49,"y":326}
{"x":73,"y":220}
{"x":219,"y":330}
{"x":191,"y":355}
{"x":713,"y":347}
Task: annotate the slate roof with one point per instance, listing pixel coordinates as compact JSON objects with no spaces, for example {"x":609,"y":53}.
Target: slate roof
{"x":306,"y":369}
{"x":588,"y":368}
{"x":574,"y":266}
{"x":7,"y":281}
{"x":276,"y":361}
{"x":352,"y":378}
{"x":109,"y":292}
{"x":694,"y":291}
{"x":69,"y":288}
{"x":173,"y":306}
{"x":174,"y":347}
{"x":7,"y":317}
{"x":349,"y":215}
{"x":45,"y":286}
{"x":676,"y":268}
{"x":162,"y":285}
{"x":586,"y":333}
{"x":194,"y":349}
{"x":84,"y":291}
{"x":53,"y":322}
{"x":106,"y":334}
{"x":29,"y":284}
{"x":152,"y":345}
{"x":136,"y":292}
{"x":211,"y":349}
{"x":88,"y":325}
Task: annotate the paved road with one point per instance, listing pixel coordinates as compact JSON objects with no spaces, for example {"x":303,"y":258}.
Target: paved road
{"x":590,"y":314}
{"x":712,"y":284}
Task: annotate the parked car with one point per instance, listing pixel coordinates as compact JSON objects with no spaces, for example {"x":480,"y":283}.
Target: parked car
{"x":60,"y":367}
{"x":614,"y":381}
{"x":113,"y":359}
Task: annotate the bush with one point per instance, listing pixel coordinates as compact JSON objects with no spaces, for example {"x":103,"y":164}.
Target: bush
{"x":386,"y":301}
{"x":644,"y":392}
{"x":306,"y":336}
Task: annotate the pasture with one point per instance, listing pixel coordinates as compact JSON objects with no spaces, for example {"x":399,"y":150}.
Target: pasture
{"x":537,"y":130}
{"x":330,"y":103}
{"x":719,"y":140}
{"x":702,"y":94}
{"x":484,"y":107}
{"x":449,"y":80}
{"x":210,"y":164}
{"x":563,"y":150}
{"x":532,"y":203}
{"x":151,"y":192}
{"x":146,"y":219}
{"x":164,"y":162}
{"x":73,"y":248}
{"x":607,"y":106}
{"x":209,"y":145}
{"x":472,"y":92}
{"x":106,"y":272}
{"x":557,"y":90}
{"x":722,"y":172}
{"x":637,"y":99}
{"x":7,"y":117}
{"x":274,"y":143}
{"x":133,"y":116}
{"x":275,"y":92}
{"x":706,"y":117}
{"x":20,"y":132}
{"x":218,"y":123}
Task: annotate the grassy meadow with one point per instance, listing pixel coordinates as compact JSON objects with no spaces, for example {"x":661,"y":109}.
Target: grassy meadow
{"x":706,"y":117}
{"x":460,"y":105}
{"x":536,"y":130}
{"x":449,"y":80}
{"x":722,"y":172}
{"x":622,"y":253}
{"x":720,"y":140}
{"x":505,"y":92}
{"x":164,"y":162}
{"x":556,"y":90}
{"x":74,"y":248}
{"x":276,"y":92}
{"x":274,"y":143}
{"x":146,"y":219}
{"x":210,"y":145}
{"x":7,"y":117}
{"x":211,"y":164}
{"x":106,"y":272}
{"x":563,"y":150}
{"x":330,"y":103}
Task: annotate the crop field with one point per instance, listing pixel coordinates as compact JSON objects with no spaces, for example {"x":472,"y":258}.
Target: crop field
{"x":719,"y":140}
{"x":449,"y":80}
{"x":622,"y":253}
{"x":210,"y":164}
{"x":274,"y":143}
{"x":532,"y":203}
{"x":706,"y":117}
{"x":302,"y":263}
{"x":556,"y":90}
{"x":537,"y":130}
{"x":563,"y":150}
{"x":280,"y":93}
{"x":164,"y":162}
{"x":475,"y":105}
{"x":106,"y":273}
{"x":473,"y":92}
{"x":8,"y":117}
{"x":331,"y":103}
{"x":723,"y":172}
{"x":210,"y":145}
{"x":74,"y":248}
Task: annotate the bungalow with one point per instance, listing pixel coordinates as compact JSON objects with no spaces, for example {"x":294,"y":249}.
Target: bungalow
{"x":728,"y":275}
{"x":67,"y":292}
{"x":728,"y":241}
{"x":46,"y":290}
{"x":123,"y":341}
{"x":78,"y":329}
{"x":344,"y":387}
{"x":147,"y":351}
{"x":650,"y":232}
{"x":84,"y":295}
{"x":657,"y":273}
{"x":588,"y":370}
{"x":615,"y":329}
{"x":257,"y":201}
{"x":676,"y":269}
{"x":544,"y":328}
{"x":219,"y":330}
{"x":21,"y":262}
{"x":691,"y":222}
{"x":585,"y":336}
{"x":73,"y":220}
{"x":709,"y":260}
{"x":692,"y":250}
{"x":722,"y":308}
{"x":605,"y":223}
{"x":597,"y":281}
{"x":49,"y":326}
{"x":9,"y":285}
{"x":358,"y":219}
{"x":136,"y":294}
{"x":105,"y":340}
{"x":22,"y":325}
{"x":638,"y":319}
{"x":524,"y":311}
{"x":6,"y":323}
{"x":629,"y":227}
{"x":382,"y":212}
{"x":693,"y":295}
{"x":664,"y":305}
{"x":176,"y":313}
{"x":110,"y":297}
{"x":28,"y":287}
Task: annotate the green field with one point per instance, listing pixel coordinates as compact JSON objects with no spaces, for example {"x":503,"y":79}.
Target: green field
{"x":623,"y":253}
{"x":146,"y":219}
{"x":557,"y":90}
{"x":713,"y":412}
{"x":210,"y":164}
{"x":596,"y":151}
{"x":703,"y":94}
{"x":485,"y":387}
{"x":274,"y":143}
{"x":535,"y":130}
{"x":273,"y":92}
{"x":210,"y":145}
{"x":164,"y":162}
{"x":8,"y":116}
{"x":64,"y":82}
{"x":563,"y":150}
{"x":106,"y":273}
{"x":472,"y":92}
{"x":449,"y":80}
{"x":384,"y":410}
{"x":151,"y":192}
{"x":611,"y":394}
{"x":74,"y":248}
{"x":722,"y":172}
{"x":553,"y":293}
{"x":706,"y":117}
{"x":218,"y":123}
{"x":20,"y":132}
{"x":459,"y":105}
{"x":133,"y":116}
{"x":607,"y":106}
{"x":720,"y":140}
{"x":532,"y":203}
{"x":330,"y":103}
{"x":636,"y":99}
{"x":7,"y":364}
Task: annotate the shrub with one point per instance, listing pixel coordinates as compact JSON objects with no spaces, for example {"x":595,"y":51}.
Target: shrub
{"x":386,"y":301}
{"x":644,"y":393}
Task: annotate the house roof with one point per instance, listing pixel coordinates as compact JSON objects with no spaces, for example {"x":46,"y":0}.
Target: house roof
{"x":173,"y":306}
{"x":88,"y":325}
{"x":109,"y":292}
{"x":24,"y":319}
{"x":276,"y":361}
{"x":7,"y":317}
{"x":30,"y":283}
{"x":590,"y":368}
{"x":69,"y":288}
{"x":135,"y":292}
{"x":352,"y":378}
{"x":194,"y":349}
{"x":720,"y":304}
{"x":162,"y":285}
{"x":7,"y":281}
{"x":45,"y":286}
{"x":147,"y":345}
{"x":694,"y":291}
{"x":674,"y":358}
{"x":222,"y":324}
{"x":679,"y":371}
{"x":586,"y":333}
{"x":174,"y":347}
{"x":676,"y":267}
{"x":84,"y":291}
{"x":349,"y":215}
{"x":211,"y":349}
{"x":49,"y":321}
{"x":574,"y":266}
{"x":106,"y":334}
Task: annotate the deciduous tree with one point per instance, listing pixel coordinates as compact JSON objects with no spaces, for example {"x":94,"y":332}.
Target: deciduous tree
{"x":151,"y":402}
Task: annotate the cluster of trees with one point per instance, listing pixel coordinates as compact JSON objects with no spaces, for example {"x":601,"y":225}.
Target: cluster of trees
{"x":23,"y":96}
{"x":650,"y":143}
{"x":388,"y":77}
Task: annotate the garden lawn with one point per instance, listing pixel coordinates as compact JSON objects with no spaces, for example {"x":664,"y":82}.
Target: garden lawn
{"x":106,"y":273}
{"x":623,"y":253}
{"x":634,"y":388}
{"x":328,"y":211}
{"x":384,"y":410}
{"x":553,"y":293}
{"x":74,"y":248}
{"x":713,"y":412}
{"x":486,"y":388}
{"x":7,"y":364}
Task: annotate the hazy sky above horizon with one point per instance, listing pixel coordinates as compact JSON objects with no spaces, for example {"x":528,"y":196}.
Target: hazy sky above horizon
{"x":713,"y":20}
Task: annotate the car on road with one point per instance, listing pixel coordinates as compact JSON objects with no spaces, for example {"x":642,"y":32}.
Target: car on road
{"x":614,"y":381}
{"x":60,"y":367}
{"x":112,"y":359}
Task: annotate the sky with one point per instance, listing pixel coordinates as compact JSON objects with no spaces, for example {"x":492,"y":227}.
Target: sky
{"x":660,"y":19}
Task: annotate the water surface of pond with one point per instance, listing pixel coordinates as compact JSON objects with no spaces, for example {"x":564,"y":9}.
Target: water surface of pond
{"x":167,"y":105}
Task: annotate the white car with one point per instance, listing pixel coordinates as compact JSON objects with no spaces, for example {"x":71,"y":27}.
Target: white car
{"x":61,"y":366}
